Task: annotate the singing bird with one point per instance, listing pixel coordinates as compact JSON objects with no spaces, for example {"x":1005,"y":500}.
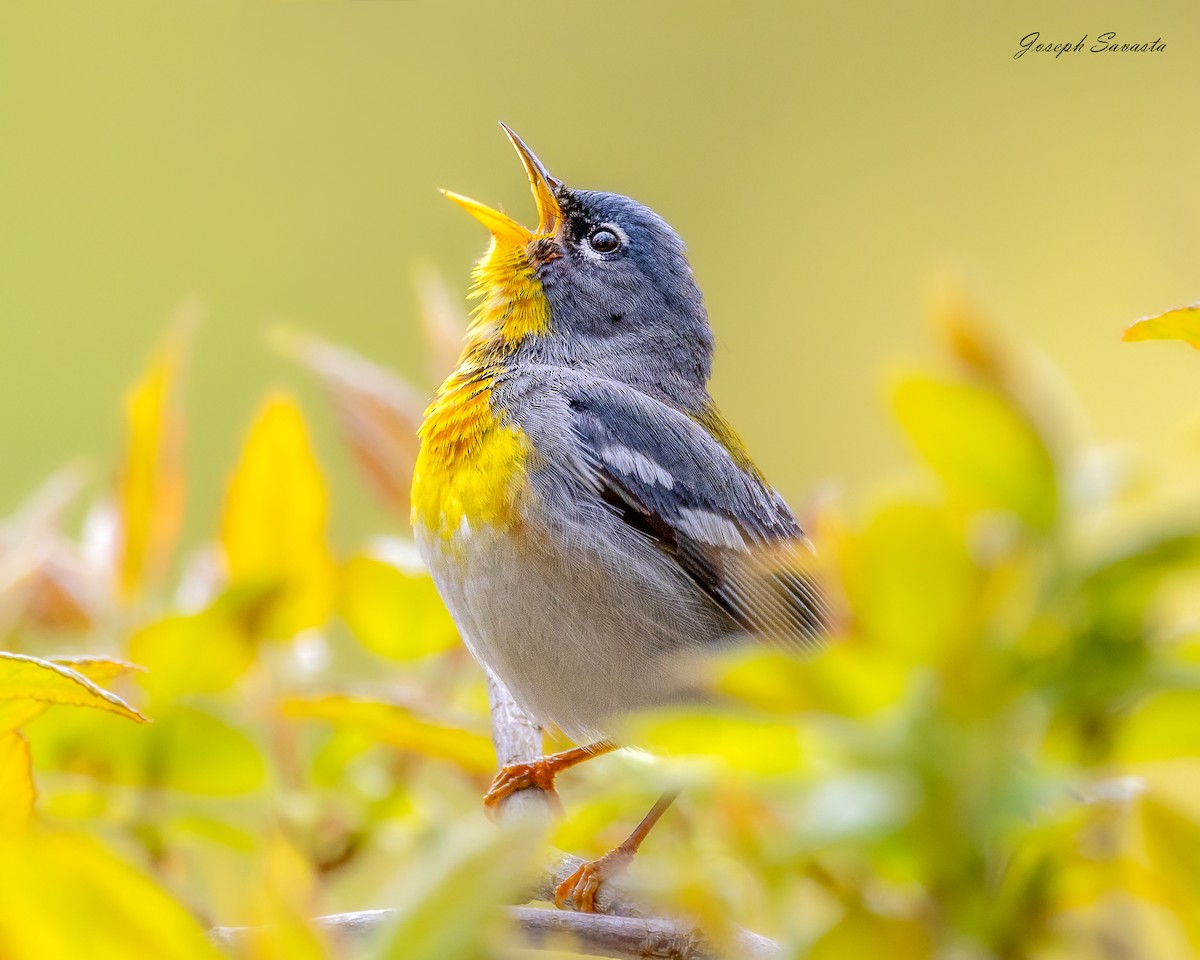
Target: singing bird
{"x":590,"y":518}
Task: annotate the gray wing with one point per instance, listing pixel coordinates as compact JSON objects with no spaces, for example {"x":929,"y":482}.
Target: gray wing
{"x":664,"y":475}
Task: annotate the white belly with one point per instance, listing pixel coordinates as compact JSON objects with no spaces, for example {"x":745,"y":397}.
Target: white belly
{"x":577,"y":633}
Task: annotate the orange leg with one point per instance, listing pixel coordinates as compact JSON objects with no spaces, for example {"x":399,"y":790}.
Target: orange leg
{"x":541,"y":773}
{"x":579,"y":889}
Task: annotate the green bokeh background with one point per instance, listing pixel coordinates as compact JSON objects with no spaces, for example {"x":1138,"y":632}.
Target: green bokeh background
{"x":825,"y":165}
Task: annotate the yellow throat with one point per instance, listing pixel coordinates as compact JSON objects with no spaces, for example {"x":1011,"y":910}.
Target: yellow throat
{"x":472,"y":465}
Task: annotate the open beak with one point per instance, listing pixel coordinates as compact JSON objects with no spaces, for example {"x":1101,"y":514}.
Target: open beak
{"x":504,"y":227}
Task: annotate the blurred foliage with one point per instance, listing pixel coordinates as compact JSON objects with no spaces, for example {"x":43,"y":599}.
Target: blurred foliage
{"x":996,"y":755}
{"x":1182,"y":323}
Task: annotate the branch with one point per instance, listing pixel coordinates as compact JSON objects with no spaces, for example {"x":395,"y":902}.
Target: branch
{"x":600,"y":936}
{"x":591,"y":934}
{"x":631,"y":938}
{"x":517,"y":740}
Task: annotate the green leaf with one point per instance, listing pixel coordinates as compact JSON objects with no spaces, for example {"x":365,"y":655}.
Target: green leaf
{"x":985,"y":451}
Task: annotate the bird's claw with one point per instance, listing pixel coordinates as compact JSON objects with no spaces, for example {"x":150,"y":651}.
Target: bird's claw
{"x":539,"y":774}
{"x":580,"y":888}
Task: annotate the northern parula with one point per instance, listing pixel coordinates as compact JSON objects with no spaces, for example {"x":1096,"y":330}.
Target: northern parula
{"x":588,"y":515}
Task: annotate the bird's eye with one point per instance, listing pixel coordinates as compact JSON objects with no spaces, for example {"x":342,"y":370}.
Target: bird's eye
{"x":604,"y":240}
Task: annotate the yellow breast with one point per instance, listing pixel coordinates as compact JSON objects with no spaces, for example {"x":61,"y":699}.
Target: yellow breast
{"x":473,"y":459}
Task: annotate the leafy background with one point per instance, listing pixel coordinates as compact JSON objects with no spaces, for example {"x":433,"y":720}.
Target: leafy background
{"x":214,"y":213}
{"x":827,"y":165}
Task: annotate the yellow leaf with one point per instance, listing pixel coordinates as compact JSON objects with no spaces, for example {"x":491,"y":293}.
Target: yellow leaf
{"x":1172,"y":839}
{"x":201,"y":652}
{"x":278,"y":904}
{"x":98,"y":669}
{"x":377,"y":411}
{"x":151,"y":479}
{"x":14,"y":714}
{"x":393,"y":612}
{"x":772,"y":680}
{"x":25,"y":679}
{"x":193,"y":751}
{"x":274,"y":521}
{"x":65,"y":895}
{"x":910,"y":579}
{"x":187,"y":749}
{"x":1182,"y":323}
{"x":399,"y":727}
{"x":737,"y":742}
{"x":846,"y":678}
{"x":17,"y":792}
{"x":1163,"y":727}
{"x":983,"y":448}
{"x":861,"y":933}
{"x":17,"y":713}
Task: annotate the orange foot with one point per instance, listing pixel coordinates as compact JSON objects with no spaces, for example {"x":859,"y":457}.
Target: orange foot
{"x":539,"y":774}
{"x":580,"y":888}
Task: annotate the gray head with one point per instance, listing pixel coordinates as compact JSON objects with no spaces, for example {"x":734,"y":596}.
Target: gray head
{"x":602,"y":284}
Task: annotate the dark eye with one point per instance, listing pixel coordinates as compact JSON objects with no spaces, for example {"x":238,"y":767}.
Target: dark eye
{"x":604,"y":240}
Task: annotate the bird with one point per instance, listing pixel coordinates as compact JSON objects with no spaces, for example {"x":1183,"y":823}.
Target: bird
{"x":589,"y":517}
